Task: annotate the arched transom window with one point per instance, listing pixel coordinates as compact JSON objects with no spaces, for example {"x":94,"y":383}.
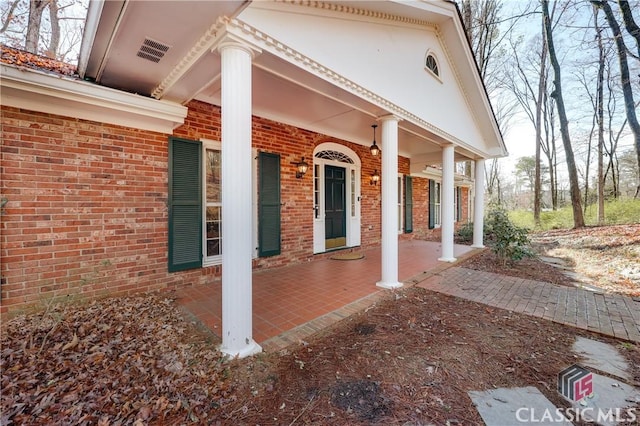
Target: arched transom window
{"x":431,"y":64}
{"x":335,"y":156}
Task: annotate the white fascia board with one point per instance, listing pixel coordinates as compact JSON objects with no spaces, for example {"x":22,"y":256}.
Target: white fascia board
{"x":53,"y":94}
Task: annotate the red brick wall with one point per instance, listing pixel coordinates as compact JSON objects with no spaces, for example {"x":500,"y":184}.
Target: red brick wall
{"x":87,"y":204}
{"x":86,"y":209}
{"x":420,"y":207}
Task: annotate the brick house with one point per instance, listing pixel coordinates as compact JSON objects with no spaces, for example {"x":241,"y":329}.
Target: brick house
{"x":113,"y":180}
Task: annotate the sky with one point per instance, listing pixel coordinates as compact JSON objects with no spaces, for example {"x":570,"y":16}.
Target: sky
{"x":573,"y":42}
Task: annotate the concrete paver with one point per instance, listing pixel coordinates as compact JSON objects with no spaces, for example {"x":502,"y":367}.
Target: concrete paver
{"x":609,"y":404}
{"x":514,"y":406}
{"x":602,"y":356}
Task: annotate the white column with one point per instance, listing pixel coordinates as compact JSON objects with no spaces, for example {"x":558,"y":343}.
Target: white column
{"x":389,"y":258}
{"x":448,"y":213}
{"x":478,"y":205}
{"x":237,"y":324}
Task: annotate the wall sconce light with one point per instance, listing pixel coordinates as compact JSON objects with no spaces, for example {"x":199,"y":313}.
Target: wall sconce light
{"x":375,"y":149}
{"x":375,"y":178}
{"x":301,"y":168}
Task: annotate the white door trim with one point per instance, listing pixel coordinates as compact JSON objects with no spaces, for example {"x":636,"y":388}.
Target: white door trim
{"x":352,"y":194}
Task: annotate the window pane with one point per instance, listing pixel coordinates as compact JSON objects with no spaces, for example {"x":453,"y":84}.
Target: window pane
{"x":213,"y":248}
{"x":316,"y":190}
{"x":437,"y":204}
{"x":399,"y":204}
{"x":213,"y":230}
{"x":353,"y":193}
{"x":213,"y":176}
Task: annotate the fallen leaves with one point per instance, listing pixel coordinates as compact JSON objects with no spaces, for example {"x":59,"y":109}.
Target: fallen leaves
{"x":21,"y":58}
{"x":608,"y":255}
{"x":117,"y":361}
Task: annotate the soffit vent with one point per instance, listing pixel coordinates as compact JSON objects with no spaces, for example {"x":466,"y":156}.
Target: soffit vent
{"x":152,"y":50}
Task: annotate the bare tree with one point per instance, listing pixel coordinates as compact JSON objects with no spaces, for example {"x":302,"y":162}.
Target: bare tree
{"x":574,"y":188}
{"x":494,"y":182}
{"x":481,"y":23}
{"x":47,"y":27}
{"x":9,"y":15}
{"x":526,"y":94}
{"x":600,"y":119}
{"x":624,"y":78}
{"x":542,"y":87}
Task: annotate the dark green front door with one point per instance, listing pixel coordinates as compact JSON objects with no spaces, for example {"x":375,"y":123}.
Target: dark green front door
{"x":334,"y":202}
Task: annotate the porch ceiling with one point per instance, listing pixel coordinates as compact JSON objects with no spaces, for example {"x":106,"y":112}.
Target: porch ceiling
{"x":281,"y":90}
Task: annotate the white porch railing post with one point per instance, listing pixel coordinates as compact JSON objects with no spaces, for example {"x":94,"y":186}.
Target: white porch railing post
{"x":389,"y":255}
{"x":237,"y":321}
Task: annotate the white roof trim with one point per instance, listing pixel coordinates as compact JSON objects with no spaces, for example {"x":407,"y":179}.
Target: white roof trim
{"x":53,"y":94}
{"x":255,"y":37}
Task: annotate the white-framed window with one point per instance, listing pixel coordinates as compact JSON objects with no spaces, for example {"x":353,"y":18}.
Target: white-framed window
{"x":354,"y":206}
{"x":400,"y":205}
{"x":212,"y":196}
{"x":437,"y":214}
{"x":195,"y":204}
{"x":456,"y":195}
{"x":212,"y":203}
{"x":431,"y":65}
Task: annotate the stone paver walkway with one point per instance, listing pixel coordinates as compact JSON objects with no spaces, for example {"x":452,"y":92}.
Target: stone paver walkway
{"x":609,"y":314}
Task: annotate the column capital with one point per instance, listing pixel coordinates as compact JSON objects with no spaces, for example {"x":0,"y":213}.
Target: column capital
{"x":388,"y":117}
{"x":231,"y":41}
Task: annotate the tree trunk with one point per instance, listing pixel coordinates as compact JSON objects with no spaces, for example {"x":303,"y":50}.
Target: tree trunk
{"x":542,"y":87}
{"x":629,"y":23}
{"x":629,"y":104}
{"x":467,"y":19}
{"x":54,"y":44}
{"x":554,"y":165}
{"x":600,"y":118}
{"x":574,"y":188}
{"x":36,"y":7}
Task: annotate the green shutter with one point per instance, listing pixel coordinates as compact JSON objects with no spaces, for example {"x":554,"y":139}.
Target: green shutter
{"x":458,"y":204}
{"x":408,"y":204}
{"x":268,"y":204}
{"x":432,"y":203}
{"x":185,"y":205}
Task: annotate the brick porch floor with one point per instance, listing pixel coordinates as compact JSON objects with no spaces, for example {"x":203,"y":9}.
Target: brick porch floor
{"x":292,"y":302}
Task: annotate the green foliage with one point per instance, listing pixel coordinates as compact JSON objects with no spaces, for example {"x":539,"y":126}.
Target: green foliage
{"x":615,"y":212}
{"x":507,"y":240}
{"x":465,"y":233}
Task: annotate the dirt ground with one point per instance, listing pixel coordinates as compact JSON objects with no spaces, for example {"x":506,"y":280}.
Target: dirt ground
{"x":411,"y":359}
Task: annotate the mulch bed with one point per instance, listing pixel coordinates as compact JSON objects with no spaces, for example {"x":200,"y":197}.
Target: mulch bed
{"x":411,"y":359}
{"x":530,"y":268}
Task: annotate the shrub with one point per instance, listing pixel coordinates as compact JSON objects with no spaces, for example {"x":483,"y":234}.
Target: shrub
{"x":508,"y":241}
{"x":465,"y":233}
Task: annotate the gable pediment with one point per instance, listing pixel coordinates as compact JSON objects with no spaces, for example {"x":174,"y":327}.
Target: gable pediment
{"x":382,"y":53}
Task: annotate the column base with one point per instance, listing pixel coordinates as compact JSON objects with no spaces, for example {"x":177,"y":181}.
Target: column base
{"x":252,"y":348}
{"x":389,"y":286}
{"x":447,"y":259}
{"x":477,"y":246}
